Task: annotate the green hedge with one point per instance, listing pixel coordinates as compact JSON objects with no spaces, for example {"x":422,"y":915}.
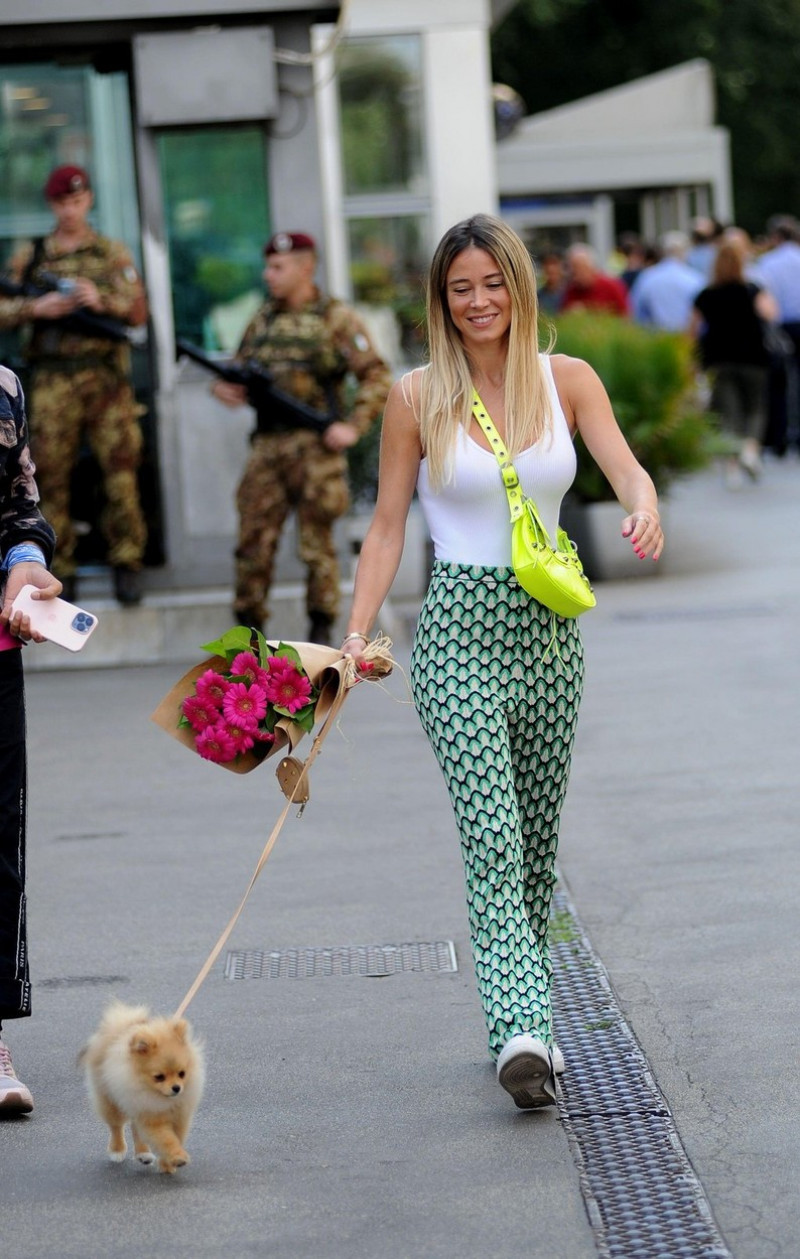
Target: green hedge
{"x":651,"y":380}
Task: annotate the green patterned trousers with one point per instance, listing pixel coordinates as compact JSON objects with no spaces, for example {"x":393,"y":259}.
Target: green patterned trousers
{"x":497,"y":681}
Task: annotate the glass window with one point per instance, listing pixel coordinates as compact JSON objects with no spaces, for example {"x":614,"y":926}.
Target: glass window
{"x":388,"y":259}
{"x":215,"y":189}
{"x":380,"y":103}
{"x":44,"y":122}
{"x":386,"y":199}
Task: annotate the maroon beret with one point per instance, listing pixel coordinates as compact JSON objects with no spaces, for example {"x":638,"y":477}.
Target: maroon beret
{"x":289,"y":242}
{"x":64,"y":180}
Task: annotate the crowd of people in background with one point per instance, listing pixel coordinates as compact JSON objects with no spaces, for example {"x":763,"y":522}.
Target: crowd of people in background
{"x":737,"y":298}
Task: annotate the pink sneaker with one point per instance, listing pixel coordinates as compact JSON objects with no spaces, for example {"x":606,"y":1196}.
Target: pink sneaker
{"x":15,"y":1098}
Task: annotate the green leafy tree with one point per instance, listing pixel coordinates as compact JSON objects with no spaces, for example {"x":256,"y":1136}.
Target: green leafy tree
{"x":556,"y":51}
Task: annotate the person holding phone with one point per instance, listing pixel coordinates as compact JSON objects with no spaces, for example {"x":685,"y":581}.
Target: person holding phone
{"x":26,"y":545}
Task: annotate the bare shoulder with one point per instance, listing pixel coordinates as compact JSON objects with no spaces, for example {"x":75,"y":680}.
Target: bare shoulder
{"x":412,"y":384}
{"x":402,"y":404}
{"x":572,"y":373}
{"x":400,"y":429}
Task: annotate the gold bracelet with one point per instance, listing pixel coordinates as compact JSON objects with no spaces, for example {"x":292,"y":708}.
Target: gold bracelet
{"x":355,"y":634}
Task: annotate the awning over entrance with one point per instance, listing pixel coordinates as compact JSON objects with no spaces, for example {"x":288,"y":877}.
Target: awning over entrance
{"x":655,"y":133}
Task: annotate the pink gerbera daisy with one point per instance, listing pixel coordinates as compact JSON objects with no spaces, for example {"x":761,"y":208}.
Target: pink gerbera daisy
{"x":211,"y":687}
{"x":263,"y":736}
{"x":243,"y":739}
{"x":215,"y":743}
{"x":286,"y":686}
{"x":244,"y":705}
{"x":199,"y":712}
{"x":246,"y":666}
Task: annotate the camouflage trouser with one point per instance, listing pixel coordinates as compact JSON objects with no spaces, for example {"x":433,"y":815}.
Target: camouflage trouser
{"x":288,"y":471}
{"x":96,"y":400}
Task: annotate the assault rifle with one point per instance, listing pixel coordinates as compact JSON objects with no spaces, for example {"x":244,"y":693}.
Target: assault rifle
{"x":82,"y":321}
{"x":275,"y":409}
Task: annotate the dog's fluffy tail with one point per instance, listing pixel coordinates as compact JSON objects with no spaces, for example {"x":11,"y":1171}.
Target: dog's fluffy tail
{"x":117,"y":1017}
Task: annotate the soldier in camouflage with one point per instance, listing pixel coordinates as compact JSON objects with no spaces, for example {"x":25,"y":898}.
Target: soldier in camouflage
{"x":310,"y":344}
{"x":80,"y":382}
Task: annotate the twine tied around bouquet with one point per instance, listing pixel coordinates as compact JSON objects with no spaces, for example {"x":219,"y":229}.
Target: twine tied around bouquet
{"x":292,"y":775}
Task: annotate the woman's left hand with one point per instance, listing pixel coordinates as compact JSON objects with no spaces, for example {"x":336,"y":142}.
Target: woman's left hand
{"x":645,"y":532}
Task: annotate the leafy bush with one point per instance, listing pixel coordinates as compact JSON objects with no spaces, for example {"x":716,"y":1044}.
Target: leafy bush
{"x":651,"y":380}
{"x":362,"y":462}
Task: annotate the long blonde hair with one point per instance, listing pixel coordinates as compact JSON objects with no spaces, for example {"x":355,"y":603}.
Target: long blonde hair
{"x":446,"y":387}
{"x":729,"y":263}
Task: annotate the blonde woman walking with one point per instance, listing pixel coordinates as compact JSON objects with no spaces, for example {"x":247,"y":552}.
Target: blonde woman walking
{"x":496,"y":677}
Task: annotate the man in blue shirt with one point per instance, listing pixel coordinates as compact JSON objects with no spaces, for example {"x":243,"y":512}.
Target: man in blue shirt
{"x":778,"y":270}
{"x":662,"y":295}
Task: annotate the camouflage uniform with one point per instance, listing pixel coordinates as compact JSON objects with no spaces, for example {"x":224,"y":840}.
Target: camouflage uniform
{"x":309,"y":352}
{"x":82,"y":384}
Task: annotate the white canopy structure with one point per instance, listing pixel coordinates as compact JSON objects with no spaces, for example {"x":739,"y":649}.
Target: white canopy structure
{"x":653,"y":141}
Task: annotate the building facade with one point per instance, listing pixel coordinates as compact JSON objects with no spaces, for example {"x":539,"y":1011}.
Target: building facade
{"x":197,"y":122}
{"x":205,"y":128}
{"x":646,"y":156}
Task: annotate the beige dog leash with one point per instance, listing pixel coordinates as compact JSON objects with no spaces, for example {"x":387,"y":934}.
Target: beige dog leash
{"x":296,"y":793}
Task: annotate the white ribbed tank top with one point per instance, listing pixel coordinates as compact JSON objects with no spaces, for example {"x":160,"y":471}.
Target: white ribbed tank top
{"x":468,"y":518}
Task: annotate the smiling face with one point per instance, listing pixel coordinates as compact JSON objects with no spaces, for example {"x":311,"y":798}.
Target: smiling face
{"x":477,"y":298}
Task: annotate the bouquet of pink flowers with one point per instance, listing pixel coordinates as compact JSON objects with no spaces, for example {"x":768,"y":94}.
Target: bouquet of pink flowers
{"x":250,"y":698}
{"x":236,"y":709}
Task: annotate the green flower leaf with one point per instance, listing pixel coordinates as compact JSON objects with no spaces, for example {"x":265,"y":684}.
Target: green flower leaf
{"x":289,"y":653}
{"x":304,"y":717}
{"x":231,"y":643}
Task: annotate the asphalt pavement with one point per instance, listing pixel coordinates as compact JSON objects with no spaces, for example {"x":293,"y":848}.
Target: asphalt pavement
{"x":358,"y":1117}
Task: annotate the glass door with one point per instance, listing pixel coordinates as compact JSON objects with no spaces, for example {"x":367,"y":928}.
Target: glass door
{"x":214,"y":184}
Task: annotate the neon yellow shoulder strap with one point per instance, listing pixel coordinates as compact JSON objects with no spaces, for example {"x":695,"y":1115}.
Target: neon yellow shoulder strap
{"x":507,"y":470}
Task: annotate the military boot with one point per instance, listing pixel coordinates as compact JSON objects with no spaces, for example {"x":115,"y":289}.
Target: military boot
{"x":320,"y":629}
{"x":127,"y":586}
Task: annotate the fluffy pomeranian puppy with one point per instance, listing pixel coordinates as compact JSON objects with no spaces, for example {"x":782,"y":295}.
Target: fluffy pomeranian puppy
{"x":147,"y":1072}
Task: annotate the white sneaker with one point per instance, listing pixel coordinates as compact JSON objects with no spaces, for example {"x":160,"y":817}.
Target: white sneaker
{"x":525,"y":1070}
{"x":558,"y":1059}
{"x":751,"y":462}
{"x":15,"y":1098}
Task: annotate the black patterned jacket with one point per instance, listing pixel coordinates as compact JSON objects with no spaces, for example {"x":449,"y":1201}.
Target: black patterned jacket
{"x":20,"y":518}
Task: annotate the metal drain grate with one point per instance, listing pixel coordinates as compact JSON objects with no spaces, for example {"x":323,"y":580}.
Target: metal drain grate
{"x":372,"y":960}
{"x":642,"y":1195}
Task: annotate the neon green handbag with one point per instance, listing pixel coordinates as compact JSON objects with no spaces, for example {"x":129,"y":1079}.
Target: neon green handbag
{"x":554,"y":576}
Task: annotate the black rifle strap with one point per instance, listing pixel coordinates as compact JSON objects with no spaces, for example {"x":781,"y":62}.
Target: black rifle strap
{"x":37,"y":257}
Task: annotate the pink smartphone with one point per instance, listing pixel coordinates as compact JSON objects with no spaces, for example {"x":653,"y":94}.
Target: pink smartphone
{"x":55,"y":619}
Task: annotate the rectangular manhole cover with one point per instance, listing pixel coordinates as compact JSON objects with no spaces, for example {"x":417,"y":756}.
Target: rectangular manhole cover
{"x":371,"y":960}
